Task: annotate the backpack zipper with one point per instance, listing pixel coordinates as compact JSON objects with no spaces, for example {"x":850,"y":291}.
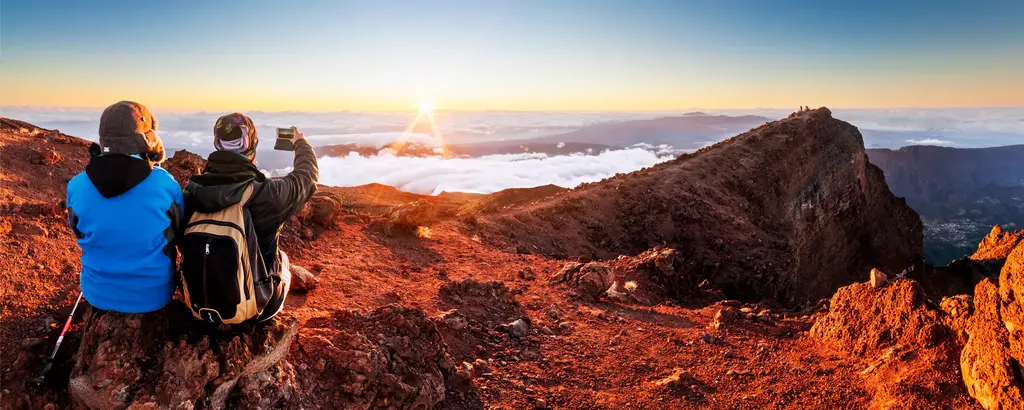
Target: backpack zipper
{"x":206,"y":294}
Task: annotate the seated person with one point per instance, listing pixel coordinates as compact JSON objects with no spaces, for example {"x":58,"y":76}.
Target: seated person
{"x":212,"y":200}
{"x":124,"y":209}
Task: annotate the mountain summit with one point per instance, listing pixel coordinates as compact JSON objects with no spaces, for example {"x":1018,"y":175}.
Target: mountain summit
{"x":788,"y":211}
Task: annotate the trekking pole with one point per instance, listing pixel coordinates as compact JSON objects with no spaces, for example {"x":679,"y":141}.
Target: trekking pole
{"x":48,"y":363}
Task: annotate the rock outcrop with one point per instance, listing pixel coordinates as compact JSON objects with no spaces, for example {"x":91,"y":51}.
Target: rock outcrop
{"x":166,"y":360}
{"x":992,"y":359}
{"x":997,"y":245}
{"x":789,"y":212}
{"x":907,"y":342}
{"x":183,"y":164}
{"x":390,"y":358}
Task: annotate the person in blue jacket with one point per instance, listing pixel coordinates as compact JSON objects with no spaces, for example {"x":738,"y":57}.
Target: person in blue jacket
{"x":125,"y":210}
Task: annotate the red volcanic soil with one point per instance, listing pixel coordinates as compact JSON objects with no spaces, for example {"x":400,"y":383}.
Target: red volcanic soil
{"x":571,"y":353}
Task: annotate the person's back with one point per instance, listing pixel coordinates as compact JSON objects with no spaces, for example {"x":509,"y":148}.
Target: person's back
{"x":125,"y":211}
{"x":230,"y":169}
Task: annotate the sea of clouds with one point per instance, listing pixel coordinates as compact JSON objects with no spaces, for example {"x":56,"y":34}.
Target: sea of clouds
{"x":890,"y":128}
{"x":486,"y":174}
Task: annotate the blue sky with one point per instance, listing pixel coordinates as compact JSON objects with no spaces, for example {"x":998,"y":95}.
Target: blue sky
{"x":521,"y":55}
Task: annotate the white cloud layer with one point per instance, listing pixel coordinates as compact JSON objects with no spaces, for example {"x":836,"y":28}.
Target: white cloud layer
{"x":375,"y":139}
{"x":486,"y":174}
{"x":888,"y":128}
{"x":930,"y":141}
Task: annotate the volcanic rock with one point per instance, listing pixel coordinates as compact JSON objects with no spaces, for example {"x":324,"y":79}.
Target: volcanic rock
{"x":991,"y":360}
{"x":878,"y":278}
{"x":182,"y":165}
{"x":324,"y":210}
{"x":405,"y":218}
{"x":164,"y":359}
{"x":789,"y":211}
{"x":997,"y":245}
{"x":590,"y":281}
{"x":302,"y":280}
{"x":518,"y":328}
{"x":390,"y":358}
{"x":912,"y":350}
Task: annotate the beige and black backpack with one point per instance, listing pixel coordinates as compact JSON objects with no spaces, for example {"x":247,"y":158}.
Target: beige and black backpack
{"x":223,"y":275}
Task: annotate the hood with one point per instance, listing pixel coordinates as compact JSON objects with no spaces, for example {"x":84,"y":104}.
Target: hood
{"x":222,"y":182}
{"x":115,"y":174}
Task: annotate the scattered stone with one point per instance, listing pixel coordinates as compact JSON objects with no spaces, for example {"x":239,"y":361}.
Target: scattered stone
{"x":453,"y":319}
{"x":518,"y":328}
{"x":878,"y":278}
{"x":708,"y":338}
{"x":324,"y":210}
{"x":481,"y":368}
{"x":527,"y":273}
{"x":592,"y":280}
{"x":302,"y":280}
{"x":959,"y":309}
{"x":465,"y":371}
{"x":568,"y":270}
{"x":678,"y":378}
{"x":723,"y":316}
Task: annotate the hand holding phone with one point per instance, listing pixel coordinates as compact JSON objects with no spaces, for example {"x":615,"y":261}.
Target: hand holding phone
{"x":287,"y":137}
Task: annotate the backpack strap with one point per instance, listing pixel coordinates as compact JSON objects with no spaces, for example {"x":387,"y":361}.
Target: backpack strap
{"x":246,"y":195}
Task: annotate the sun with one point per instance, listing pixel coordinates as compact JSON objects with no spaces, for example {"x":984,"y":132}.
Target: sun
{"x":426,"y":107}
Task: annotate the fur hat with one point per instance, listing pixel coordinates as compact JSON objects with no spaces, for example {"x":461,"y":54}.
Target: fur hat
{"x":128,"y":128}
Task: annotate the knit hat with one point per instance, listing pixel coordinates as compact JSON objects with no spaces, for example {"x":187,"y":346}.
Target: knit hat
{"x":235,"y":133}
{"x":128,"y":128}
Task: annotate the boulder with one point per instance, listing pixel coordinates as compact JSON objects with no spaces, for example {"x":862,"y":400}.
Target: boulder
{"x":992,"y":359}
{"x":182,"y":165}
{"x":407,"y":217}
{"x":324,"y":210}
{"x":990,"y":371}
{"x":911,"y":350}
{"x":390,"y":358}
{"x":877,"y":278}
{"x":568,"y":269}
{"x":590,"y":281}
{"x":167,"y":360}
{"x":302,"y":280}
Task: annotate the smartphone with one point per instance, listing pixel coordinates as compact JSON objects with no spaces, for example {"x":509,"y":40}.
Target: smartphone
{"x":284,"y":139}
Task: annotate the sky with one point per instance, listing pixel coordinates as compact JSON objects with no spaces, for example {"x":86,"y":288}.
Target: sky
{"x":511,"y":55}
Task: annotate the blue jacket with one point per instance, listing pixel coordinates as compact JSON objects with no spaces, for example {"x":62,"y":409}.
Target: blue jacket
{"x":125,"y":214}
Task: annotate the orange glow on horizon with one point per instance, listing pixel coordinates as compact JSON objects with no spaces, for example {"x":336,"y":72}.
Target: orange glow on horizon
{"x":426,"y":109}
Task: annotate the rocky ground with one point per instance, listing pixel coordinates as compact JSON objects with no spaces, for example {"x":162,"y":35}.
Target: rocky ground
{"x":413,"y":302}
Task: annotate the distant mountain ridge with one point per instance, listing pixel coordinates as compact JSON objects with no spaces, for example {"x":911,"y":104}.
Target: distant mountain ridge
{"x":691,"y":130}
{"x":960,"y":193}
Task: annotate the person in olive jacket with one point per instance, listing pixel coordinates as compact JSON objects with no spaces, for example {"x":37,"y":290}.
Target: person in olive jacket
{"x":230,"y":168}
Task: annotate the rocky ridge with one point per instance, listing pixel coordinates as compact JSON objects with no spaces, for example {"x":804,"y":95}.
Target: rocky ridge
{"x":760,"y":216}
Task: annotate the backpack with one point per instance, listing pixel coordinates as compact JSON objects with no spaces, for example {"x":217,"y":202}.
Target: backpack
{"x":223,"y":275}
